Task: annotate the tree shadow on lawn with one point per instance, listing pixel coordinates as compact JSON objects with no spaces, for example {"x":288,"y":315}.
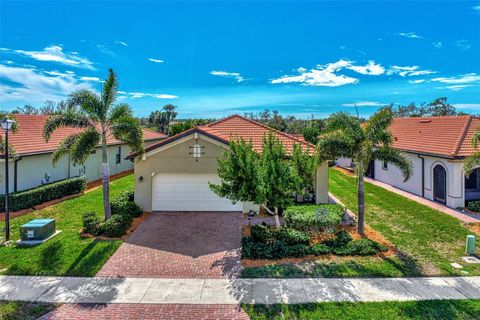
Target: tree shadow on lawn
{"x":429,"y":310}
{"x":398,"y":265}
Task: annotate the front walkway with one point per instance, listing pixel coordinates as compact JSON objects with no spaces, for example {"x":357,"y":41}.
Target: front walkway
{"x":104,"y":290}
{"x":462,"y":216}
{"x":180,"y":245}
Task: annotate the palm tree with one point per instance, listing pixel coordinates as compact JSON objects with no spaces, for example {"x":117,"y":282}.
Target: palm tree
{"x":473,"y":161}
{"x":346,"y":136}
{"x":100,"y":118}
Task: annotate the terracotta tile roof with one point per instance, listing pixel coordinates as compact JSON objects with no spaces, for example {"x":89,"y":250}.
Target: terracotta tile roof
{"x":444,"y":136}
{"x":29,"y":138}
{"x":235,"y":127}
{"x":240,"y":127}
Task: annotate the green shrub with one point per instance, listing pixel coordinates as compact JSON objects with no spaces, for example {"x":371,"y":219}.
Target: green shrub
{"x":297,"y":250}
{"x":474,"y":206}
{"x":91,"y":223}
{"x":120,"y":206}
{"x":314,"y":217}
{"x":116,"y":226}
{"x":28,"y":198}
{"x":319,"y":249}
{"x":292,"y":237}
{"x":262,"y":233}
{"x":342,"y":238}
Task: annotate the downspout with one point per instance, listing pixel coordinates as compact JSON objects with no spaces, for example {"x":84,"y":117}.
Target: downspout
{"x":423,"y":175}
{"x":15,"y":174}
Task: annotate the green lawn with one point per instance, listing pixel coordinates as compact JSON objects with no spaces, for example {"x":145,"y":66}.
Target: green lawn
{"x":420,"y":310}
{"x":67,"y":254}
{"x":428,"y":239}
{"x":23,"y":310}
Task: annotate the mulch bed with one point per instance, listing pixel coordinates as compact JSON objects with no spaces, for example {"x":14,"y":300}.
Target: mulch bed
{"x":135,"y":223}
{"x":318,"y":238}
{"x":345,"y":171}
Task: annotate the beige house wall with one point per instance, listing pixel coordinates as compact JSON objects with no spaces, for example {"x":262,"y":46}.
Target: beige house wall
{"x":175,"y":157}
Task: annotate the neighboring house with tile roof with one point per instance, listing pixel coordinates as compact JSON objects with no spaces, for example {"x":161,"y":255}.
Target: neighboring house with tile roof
{"x":32,"y":164}
{"x":437,"y":147}
{"x":173,"y":174}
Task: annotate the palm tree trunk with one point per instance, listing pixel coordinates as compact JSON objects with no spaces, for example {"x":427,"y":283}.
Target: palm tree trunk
{"x":361,"y":199}
{"x":105,"y":177}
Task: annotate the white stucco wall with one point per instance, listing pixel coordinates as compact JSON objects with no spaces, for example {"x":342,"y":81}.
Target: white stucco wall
{"x":31,"y":170}
{"x":344,"y":162}
{"x":455,"y":178}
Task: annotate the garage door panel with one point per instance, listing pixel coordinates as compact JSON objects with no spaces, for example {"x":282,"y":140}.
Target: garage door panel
{"x":188,"y":192}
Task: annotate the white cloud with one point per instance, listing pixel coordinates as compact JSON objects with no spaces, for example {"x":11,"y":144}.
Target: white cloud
{"x":138,"y":95}
{"x":95,"y":79}
{"x":458,"y":87}
{"x":56,"y":54}
{"x":325,"y":75}
{"x":466,"y":78}
{"x":234,"y":75}
{"x":123,"y":43}
{"x":409,"y":71}
{"x":437,"y":44}
{"x":155,"y":60}
{"x":411,"y":35}
{"x":35,"y":86}
{"x":364,"y":104}
{"x":463,"y":44}
{"x":467,"y":105}
{"x":417,"y":81}
{"x":477,"y":7}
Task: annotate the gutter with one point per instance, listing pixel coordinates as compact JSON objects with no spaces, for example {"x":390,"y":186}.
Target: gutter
{"x":423,"y":175}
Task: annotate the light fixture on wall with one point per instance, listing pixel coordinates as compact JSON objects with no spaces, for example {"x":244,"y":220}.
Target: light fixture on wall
{"x":197,"y":150}
{"x":140,"y":179}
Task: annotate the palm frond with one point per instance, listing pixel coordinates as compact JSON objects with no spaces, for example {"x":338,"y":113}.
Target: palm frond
{"x":64,"y":148}
{"x":109,"y":92}
{"x":128,"y":130}
{"x":119,"y":111}
{"x":350,"y":125}
{"x":471,"y":163}
{"x":377,"y":128}
{"x":66,"y":119}
{"x":89,"y":102}
{"x":395,"y":157}
{"x":84,"y":145}
{"x":335,"y":144}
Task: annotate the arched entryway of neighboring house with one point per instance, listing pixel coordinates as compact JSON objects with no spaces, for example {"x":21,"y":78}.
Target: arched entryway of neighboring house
{"x":440,"y":184}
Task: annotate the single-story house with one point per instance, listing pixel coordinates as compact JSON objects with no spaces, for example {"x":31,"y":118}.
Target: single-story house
{"x":437,"y":147}
{"x":32,"y":164}
{"x":173,"y":174}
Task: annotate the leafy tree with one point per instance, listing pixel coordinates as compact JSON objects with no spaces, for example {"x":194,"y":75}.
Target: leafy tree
{"x":440,"y":107}
{"x":181,"y":126}
{"x":162,"y":119}
{"x":304,"y":165}
{"x":346,"y":136}
{"x":436,"y":108}
{"x":26,"y":109}
{"x":268,"y":179}
{"x":473,"y":161}
{"x":100,"y":118}
{"x":311,"y":134}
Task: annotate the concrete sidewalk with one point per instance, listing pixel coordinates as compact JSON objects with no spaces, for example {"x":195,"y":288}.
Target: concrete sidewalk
{"x":106,"y":290}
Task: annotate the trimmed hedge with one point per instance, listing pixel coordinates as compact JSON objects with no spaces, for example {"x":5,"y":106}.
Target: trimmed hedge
{"x":28,"y":198}
{"x":311,"y":218}
{"x":474,"y":206}
{"x":277,"y":248}
{"x":124,"y":204}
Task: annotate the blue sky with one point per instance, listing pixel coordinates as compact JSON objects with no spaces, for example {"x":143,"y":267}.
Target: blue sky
{"x":213,"y":59}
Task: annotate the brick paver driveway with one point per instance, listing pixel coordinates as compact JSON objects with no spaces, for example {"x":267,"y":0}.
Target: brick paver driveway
{"x":180,"y":245}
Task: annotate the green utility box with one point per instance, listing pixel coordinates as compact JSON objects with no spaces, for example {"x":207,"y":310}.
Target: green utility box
{"x":37,"y":230}
{"x":470,"y":245}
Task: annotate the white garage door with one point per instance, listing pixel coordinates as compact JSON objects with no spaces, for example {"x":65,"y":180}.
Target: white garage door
{"x":188,"y":192}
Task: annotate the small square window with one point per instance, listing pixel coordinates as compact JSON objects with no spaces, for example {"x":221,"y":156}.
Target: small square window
{"x":385,"y":165}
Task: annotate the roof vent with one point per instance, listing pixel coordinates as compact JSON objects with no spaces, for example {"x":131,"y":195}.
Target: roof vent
{"x":425,"y":121}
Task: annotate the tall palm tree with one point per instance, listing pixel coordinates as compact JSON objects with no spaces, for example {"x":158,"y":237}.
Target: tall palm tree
{"x":473,"y":161}
{"x":100,"y":118}
{"x":346,"y":136}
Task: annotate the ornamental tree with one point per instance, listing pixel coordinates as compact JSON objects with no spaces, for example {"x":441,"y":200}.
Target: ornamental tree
{"x":269,"y":179}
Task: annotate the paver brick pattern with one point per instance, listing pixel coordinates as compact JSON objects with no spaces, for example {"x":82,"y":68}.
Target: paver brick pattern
{"x":146,"y":311}
{"x":181,"y":245}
